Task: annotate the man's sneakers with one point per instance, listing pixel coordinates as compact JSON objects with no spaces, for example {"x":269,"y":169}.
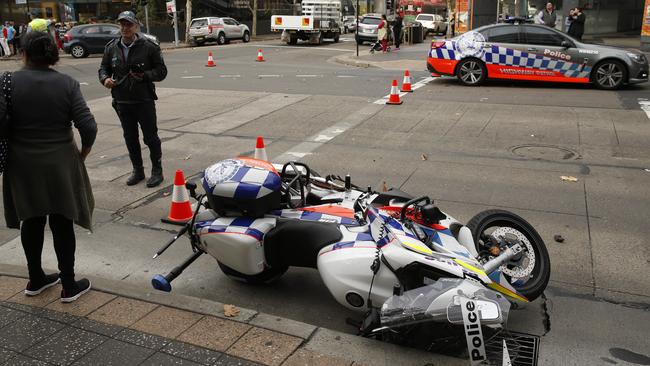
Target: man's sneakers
{"x":80,"y":287}
{"x":35,"y":288}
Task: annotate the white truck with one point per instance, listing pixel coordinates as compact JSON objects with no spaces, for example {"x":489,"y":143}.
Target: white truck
{"x":320,"y":19}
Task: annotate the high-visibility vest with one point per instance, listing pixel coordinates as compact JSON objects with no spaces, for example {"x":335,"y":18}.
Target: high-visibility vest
{"x":39,"y":25}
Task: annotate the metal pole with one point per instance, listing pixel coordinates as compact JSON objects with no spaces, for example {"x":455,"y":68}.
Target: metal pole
{"x":498,"y":10}
{"x":356,"y":30}
{"x":146,"y":17}
{"x":175,"y":26}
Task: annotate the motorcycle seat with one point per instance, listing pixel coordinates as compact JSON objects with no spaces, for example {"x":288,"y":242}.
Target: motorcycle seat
{"x":296,"y":243}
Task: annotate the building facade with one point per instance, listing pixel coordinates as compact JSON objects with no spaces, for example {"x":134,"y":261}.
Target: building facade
{"x":63,"y":11}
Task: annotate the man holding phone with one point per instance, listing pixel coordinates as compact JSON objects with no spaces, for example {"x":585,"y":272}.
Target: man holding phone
{"x":130,"y":66}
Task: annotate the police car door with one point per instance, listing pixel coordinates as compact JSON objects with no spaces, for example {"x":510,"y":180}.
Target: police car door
{"x":503,"y":49}
{"x":553,"y":61}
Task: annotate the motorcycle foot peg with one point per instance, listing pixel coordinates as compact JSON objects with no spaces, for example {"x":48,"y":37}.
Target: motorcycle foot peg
{"x":160,"y":282}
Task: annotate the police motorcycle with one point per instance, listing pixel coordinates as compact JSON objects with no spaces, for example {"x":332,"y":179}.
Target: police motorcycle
{"x":397,"y":259}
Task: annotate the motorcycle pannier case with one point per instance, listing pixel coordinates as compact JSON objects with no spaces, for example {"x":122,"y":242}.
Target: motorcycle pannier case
{"x":242,"y":187}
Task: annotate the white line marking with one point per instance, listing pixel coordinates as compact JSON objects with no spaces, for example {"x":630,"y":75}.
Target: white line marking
{"x":269,"y":76}
{"x":645,"y":106}
{"x":229,"y":76}
{"x":309,"y":76}
{"x":323,"y":138}
{"x":191,"y":77}
{"x":346,"y":76}
{"x":415,"y":86}
{"x":84,"y":83}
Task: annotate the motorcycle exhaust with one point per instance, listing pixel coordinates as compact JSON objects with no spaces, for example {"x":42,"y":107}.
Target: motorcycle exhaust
{"x":505,"y":256}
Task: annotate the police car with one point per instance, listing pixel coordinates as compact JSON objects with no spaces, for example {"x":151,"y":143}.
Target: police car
{"x":534,"y":52}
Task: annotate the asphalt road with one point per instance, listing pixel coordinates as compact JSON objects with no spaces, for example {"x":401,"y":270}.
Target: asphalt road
{"x":503,"y":145}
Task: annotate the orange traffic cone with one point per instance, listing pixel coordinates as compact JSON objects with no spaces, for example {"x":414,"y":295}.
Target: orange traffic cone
{"x":260,"y":56}
{"x":406,"y":84}
{"x":260,"y":150}
{"x":210,"y":60}
{"x":180,"y":211}
{"x":394,"y":95}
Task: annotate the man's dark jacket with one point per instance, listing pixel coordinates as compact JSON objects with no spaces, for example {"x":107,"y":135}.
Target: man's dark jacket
{"x":577,"y":27}
{"x":144,"y":56}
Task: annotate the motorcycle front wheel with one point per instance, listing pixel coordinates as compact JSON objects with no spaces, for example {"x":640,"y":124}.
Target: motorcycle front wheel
{"x":528,"y":272}
{"x":267,"y":276}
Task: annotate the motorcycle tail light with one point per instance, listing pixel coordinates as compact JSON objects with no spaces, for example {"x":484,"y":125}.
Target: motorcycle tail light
{"x":437,"y":44}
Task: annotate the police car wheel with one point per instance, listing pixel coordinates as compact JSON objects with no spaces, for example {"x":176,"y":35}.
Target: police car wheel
{"x":609,"y":75}
{"x":78,"y":51}
{"x":471,"y":72}
{"x":267,"y":276}
{"x":528,"y":273}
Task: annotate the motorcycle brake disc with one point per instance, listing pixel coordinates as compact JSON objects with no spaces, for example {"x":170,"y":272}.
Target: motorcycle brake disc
{"x":517,"y":271}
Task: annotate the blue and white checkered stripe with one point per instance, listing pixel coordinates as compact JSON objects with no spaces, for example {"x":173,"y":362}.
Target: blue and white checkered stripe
{"x":255,"y":228}
{"x":511,"y":57}
{"x":313,"y":216}
{"x":248,"y":183}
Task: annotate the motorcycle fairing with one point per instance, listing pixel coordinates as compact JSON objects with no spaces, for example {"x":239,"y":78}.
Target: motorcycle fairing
{"x":351,"y":240}
{"x":255,"y":228}
{"x":500,"y":283}
{"x":308,"y":215}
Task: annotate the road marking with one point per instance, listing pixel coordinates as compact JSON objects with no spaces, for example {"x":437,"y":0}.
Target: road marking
{"x":320,"y":138}
{"x":346,"y":76}
{"x":192,"y":77}
{"x":307,"y":48}
{"x":269,"y":76}
{"x":645,"y":106}
{"x":309,"y":76}
{"x":229,"y":76}
{"x":84,"y":83}
{"x":415,"y":86}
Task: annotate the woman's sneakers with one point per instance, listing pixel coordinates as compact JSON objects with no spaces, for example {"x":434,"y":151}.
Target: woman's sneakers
{"x":35,"y":288}
{"x":80,"y":287}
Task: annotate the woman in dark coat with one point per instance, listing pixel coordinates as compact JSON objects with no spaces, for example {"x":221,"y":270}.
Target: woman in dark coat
{"x":577,"y":27}
{"x":45,"y":176}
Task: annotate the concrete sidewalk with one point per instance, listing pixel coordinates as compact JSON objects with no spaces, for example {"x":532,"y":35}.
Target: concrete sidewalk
{"x":115,"y":324}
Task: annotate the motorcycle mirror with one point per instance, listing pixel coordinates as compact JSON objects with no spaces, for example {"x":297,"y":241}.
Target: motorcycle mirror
{"x":191,"y":186}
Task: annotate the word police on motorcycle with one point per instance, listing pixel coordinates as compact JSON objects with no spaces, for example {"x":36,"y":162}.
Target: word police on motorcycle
{"x":473,"y":331}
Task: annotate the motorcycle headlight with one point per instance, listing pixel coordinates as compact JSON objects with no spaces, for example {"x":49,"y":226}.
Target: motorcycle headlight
{"x":639,"y":58}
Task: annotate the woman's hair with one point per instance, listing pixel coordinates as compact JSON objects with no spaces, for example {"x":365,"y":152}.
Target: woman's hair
{"x":40,"y":49}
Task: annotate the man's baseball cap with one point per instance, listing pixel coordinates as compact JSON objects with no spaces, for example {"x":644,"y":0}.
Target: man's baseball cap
{"x":129,"y":16}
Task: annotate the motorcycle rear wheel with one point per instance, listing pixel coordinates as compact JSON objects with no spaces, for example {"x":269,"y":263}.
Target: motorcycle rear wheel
{"x":485,"y":221}
{"x":267,"y":276}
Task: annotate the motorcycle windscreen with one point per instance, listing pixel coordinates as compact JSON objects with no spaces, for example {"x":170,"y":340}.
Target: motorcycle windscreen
{"x":441,"y":302}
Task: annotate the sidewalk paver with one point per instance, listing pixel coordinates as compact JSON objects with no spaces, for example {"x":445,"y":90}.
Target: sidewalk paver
{"x":84,"y":306}
{"x":166,"y":322}
{"x":263,"y":345}
{"x":214,"y":333}
{"x":9,"y":286}
{"x":122,"y":311}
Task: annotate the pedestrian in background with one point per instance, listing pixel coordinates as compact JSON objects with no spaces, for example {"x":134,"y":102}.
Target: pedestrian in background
{"x":6,"y":52}
{"x":45,"y":178}
{"x":130,"y":66}
{"x":382,"y":33}
{"x":11,"y":37}
{"x":452,"y":23}
{"x":397,"y":30}
{"x":548,"y":16}
{"x":577,"y":27}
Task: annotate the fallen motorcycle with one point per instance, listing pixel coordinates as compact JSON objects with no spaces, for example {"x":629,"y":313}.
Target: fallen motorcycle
{"x":398,"y":259}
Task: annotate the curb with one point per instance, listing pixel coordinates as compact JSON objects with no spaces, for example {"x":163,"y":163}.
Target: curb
{"x":353,"y":61}
{"x":358,"y":350}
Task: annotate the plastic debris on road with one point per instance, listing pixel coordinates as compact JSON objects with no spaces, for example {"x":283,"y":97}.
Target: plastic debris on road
{"x":568,"y":178}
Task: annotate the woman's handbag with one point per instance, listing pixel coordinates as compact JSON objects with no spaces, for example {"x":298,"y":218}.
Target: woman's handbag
{"x":5,"y":117}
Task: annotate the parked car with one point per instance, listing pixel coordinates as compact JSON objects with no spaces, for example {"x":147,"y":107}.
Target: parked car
{"x":534,"y":52}
{"x":432,"y":23}
{"x":349,"y":24}
{"x":83,"y":40}
{"x":220,"y":30}
{"x":368,"y":28}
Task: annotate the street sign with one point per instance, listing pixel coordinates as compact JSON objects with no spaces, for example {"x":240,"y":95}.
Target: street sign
{"x":241,"y":4}
{"x":21,"y":2}
{"x":171,"y":6}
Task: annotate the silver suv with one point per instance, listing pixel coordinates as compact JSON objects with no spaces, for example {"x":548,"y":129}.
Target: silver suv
{"x":221,"y":30}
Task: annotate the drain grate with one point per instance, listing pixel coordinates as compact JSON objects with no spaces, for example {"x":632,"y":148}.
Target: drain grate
{"x":523,"y":348}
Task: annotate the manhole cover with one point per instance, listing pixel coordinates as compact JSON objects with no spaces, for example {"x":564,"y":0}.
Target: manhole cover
{"x":544,"y":152}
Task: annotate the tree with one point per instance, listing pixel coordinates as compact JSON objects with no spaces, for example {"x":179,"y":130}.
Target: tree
{"x":188,"y":19}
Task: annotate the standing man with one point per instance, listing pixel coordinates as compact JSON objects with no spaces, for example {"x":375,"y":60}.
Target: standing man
{"x":397,"y":30}
{"x":129,"y":68}
{"x":548,"y":16}
{"x":577,"y":27}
